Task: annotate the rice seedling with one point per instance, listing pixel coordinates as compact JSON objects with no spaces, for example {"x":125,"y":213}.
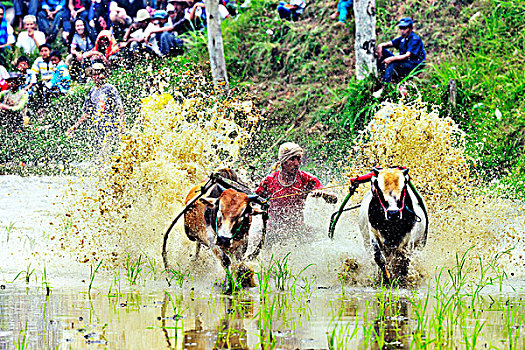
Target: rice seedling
{"x":263,"y":278}
{"x":27,"y":274}
{"x":283,"y":275}
{"x":8,"y":229}
{"x":420,"y":315}
{"x":177,"y":276}
{"x":30,"y":241}
{"x":22,"y":342}
{"x":265,"y":317}
{"x":151,"y":265}
{"x":115,"y":283}
{"x":134,"y":270}
{"x":92,"y":274}
{"x":45,"y":283}
{"x":341,"y":331}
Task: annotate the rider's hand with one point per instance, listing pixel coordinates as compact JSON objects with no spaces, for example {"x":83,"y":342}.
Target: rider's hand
{"x":327,"y":196}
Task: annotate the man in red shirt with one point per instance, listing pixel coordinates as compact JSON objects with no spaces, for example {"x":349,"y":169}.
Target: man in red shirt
{"x":287,"y":190}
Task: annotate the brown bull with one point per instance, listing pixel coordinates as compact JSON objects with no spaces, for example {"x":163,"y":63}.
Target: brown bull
{"x":221,"y":221}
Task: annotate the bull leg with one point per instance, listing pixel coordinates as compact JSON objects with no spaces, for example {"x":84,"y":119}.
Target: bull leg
{"x":381,"y":262}
{"x":400,"y":266}
{"x":257,"y":250}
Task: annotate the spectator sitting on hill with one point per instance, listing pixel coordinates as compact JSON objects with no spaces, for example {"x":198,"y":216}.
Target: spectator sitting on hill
{"x":60,"y":82}
{"x":139,"y":33}
{"x":22,"y":64}
{"x":178,"y":17}
{"x":80,"y":41}
{"x":7,"y":37}
{"x":105,"y":48}
{"x":76,"y":9}
{"x":31,"y":39}
{"x":168,"y":42}
{"x":13,"y":104}
{"x":411,"y":55}
{"x":50,"y":17}
{"x":42,"y":65}
{"x":197,"y":14}
{"x":102,"y":23}
{"x":343,"y":6}
{"x":291,"y":11}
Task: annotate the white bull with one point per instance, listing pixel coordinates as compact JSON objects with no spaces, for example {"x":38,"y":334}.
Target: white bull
{"x":393,"y":222}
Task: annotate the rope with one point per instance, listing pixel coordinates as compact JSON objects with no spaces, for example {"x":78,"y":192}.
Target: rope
{"x":303,"y":192}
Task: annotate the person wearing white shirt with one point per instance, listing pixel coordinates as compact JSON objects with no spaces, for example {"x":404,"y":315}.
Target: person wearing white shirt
{"x":31,"y":39}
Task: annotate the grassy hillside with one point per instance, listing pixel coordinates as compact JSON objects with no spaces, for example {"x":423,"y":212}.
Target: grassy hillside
{"x":303,"y":76}
{"x":303,"y":72}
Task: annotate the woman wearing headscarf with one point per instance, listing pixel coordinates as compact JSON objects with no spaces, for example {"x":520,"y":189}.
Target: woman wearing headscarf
{"x":105,"y":48}
{"x":287,"y":190}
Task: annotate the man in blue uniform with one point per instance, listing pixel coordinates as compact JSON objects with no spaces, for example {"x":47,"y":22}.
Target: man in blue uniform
{"x":411,"y":54}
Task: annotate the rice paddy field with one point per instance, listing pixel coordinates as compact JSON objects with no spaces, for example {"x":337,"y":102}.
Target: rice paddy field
{"x":82,"y":267}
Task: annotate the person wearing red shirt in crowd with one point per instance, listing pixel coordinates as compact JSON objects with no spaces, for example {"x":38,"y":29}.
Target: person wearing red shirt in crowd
{"x":288,"y":189}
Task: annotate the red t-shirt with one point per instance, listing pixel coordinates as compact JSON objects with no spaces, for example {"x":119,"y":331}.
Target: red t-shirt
{"x":287,"y":210}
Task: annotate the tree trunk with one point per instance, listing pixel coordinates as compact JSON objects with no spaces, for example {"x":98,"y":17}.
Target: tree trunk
{"x":365,"y":38}
{"x":215,"y":45}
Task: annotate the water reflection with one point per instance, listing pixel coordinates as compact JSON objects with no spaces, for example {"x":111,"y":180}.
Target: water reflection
{"x":153,"y":318}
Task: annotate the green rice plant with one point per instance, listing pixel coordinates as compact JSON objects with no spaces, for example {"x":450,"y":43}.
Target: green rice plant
{"x":367,"y":327}
{"x":22,"y":342}
{"x":420,"y":315}
{"x":151,"y":265}
{"x":265,"y":317}
{"x":115,"y":284}
{"x":92,"y":273}
{"x":177,"y":276}
{"x":340,"y":332}
{"x":459,"y":273}
{"x":471,"y":333}
{"x":263,"y":278}
{"x":31,"y":241}
{"x":134,"y":270}
{"x":45,"y":282}
{"x":8,"y":229}
{"x":283,"y":275}
{"x":514,"y":321}
{"x":27,"y":274}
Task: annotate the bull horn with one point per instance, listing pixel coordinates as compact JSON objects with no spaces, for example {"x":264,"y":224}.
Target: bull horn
{"x":252,"y":197}
{"x":221,"y":189}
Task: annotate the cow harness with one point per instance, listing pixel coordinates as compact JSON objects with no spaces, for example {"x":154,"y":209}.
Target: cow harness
{"x":214,"y":179}
{"x":354,"y":184}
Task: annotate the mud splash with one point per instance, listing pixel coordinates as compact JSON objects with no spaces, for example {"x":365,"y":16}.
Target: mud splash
{"x":175,"y":143}
{"x":179,"y":141}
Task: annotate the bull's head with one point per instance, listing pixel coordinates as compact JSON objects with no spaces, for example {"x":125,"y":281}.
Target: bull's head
{"x":234,"y":215}
{"x":389,"y":186}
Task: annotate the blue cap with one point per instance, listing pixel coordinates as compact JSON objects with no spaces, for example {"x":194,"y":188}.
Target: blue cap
{"x":160,"y":14}
{"x":405,"y":22}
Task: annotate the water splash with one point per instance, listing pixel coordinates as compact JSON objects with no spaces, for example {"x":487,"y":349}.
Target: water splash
{"x":174,"y":144}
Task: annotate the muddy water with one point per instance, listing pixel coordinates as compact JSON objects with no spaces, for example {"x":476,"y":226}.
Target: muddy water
{"x":55,"y":231}
{"x":311,"y":314}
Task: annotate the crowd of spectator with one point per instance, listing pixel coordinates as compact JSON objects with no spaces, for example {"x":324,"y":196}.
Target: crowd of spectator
{"x":113,"y":32}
